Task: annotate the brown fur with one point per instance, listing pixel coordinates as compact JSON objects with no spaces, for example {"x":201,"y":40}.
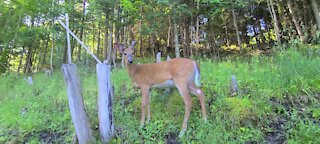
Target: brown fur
{"x":180,"y":71}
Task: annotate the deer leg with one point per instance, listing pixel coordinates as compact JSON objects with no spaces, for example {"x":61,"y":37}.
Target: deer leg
{"x":187,"y":103}
{"x":199,"y":93}
{"x":148,"y":107}
{"x":144,"y":102}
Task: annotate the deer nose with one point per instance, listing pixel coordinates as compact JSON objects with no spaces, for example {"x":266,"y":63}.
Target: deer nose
{"x":130,"y":59}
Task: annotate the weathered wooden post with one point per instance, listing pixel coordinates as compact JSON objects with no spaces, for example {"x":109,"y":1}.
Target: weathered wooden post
{"x":77,"y":111}
{"x":29,"y":80}
{"x":76,"y":105}
{"x":234,"y":86}
{"x":168,"y":57}
{"x":158,"y":57}
{"x":105,"y":94}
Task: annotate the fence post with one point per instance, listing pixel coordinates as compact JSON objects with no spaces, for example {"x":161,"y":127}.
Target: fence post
{"x":105,"y":94}
{"x":234,"y":86}
{"x":77,"y":111}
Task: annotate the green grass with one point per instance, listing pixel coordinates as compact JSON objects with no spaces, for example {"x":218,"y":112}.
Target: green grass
{"x":278,"y":100}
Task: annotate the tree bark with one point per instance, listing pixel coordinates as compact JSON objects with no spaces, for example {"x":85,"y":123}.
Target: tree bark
{"x":105,"y":44}
{"x":295,"y":20}
{"x":226,"y":33}
{"x":20,"y":61}
{"x":235,"y":24}
{"x":99,"y":40}
{"x":197,"y":45}
{"x":45,"y":51}
{"x":188,"y":36}
{"x":110,"y":42}
{"x":274,"y":19}
{"x":316,"y":12}
{"x":176,"y":39}
{"x":184,"y":39}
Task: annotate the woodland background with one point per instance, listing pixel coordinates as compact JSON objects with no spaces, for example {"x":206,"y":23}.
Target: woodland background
{"x":271,"y":46}
{"x":29,"y":29}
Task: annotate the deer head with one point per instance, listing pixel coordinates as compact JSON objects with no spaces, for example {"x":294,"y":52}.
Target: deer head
{"x":127,"y":52}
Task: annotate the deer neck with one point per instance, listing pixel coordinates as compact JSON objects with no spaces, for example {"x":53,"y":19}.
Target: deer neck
{"x":132,"y":68}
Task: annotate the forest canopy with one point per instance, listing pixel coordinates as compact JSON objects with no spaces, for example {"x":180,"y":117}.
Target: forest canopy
{"x":29,"y":29}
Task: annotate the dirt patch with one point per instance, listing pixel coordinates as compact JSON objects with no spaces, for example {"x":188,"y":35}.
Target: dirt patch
{"x":45,"y":136}
{"x":172,"y":138}
{"x":277,"y":135}
{"x":49,"y":137}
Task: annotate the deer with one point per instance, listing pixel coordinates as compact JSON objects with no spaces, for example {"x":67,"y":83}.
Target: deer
{"x":182,"y":73}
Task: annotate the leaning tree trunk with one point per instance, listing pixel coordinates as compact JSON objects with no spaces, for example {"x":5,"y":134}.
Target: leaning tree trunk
{"x":236,"y":27}
{"x":274,"y":19}
{"x":295,"y":20}
{"x":316,"y":12}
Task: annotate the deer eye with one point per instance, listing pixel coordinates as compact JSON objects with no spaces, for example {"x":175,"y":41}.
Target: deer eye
{"x":133,"y":52}
{"x":125,"y":53}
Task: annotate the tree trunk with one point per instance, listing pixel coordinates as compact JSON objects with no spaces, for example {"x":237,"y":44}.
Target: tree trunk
{"x":82,"y":28}
{"x":226,"y":33}
{"x":99,"y":40}
{"x":65,"y":53}
{"x":93,"y":37}
{"x":191,"y":37}
{"x":197,"y":45}
{"x":153,"y":45}
{"x":316,"y":12}
{"x":110,"y":42}
{"x":295,"y":20}
{"x":28,"y":65}
{"x":176,"y":39}
{"x":184,"y":39}
{"x":169,"y":33}
{"x":20,"y":61}
{"x":41,"y":52}
{"x":105,"y":44}
{"x":45,"y":51}
{"x":187,"y":36}
{"x":235,"y":24}
{"x":274,"y":19}
{"x":140,"y":39}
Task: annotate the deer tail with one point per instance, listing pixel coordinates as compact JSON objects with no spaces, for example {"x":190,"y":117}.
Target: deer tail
{"x":196,"y":74}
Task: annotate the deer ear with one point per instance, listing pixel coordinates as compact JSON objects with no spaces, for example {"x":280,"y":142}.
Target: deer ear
{"x":119,"y":46}
{"x":132,"y":44}
{"x":116,"y":46}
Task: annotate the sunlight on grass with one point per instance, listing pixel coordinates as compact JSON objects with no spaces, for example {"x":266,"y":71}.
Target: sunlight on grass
{"x":271,"y":88}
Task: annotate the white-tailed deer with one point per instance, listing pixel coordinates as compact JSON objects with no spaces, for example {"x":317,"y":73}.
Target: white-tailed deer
{"x":182,"y":73}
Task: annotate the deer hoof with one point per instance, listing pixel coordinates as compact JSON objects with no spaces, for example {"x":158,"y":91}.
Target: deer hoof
{"x":141,"y":126}
{"x":181,"y":133}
